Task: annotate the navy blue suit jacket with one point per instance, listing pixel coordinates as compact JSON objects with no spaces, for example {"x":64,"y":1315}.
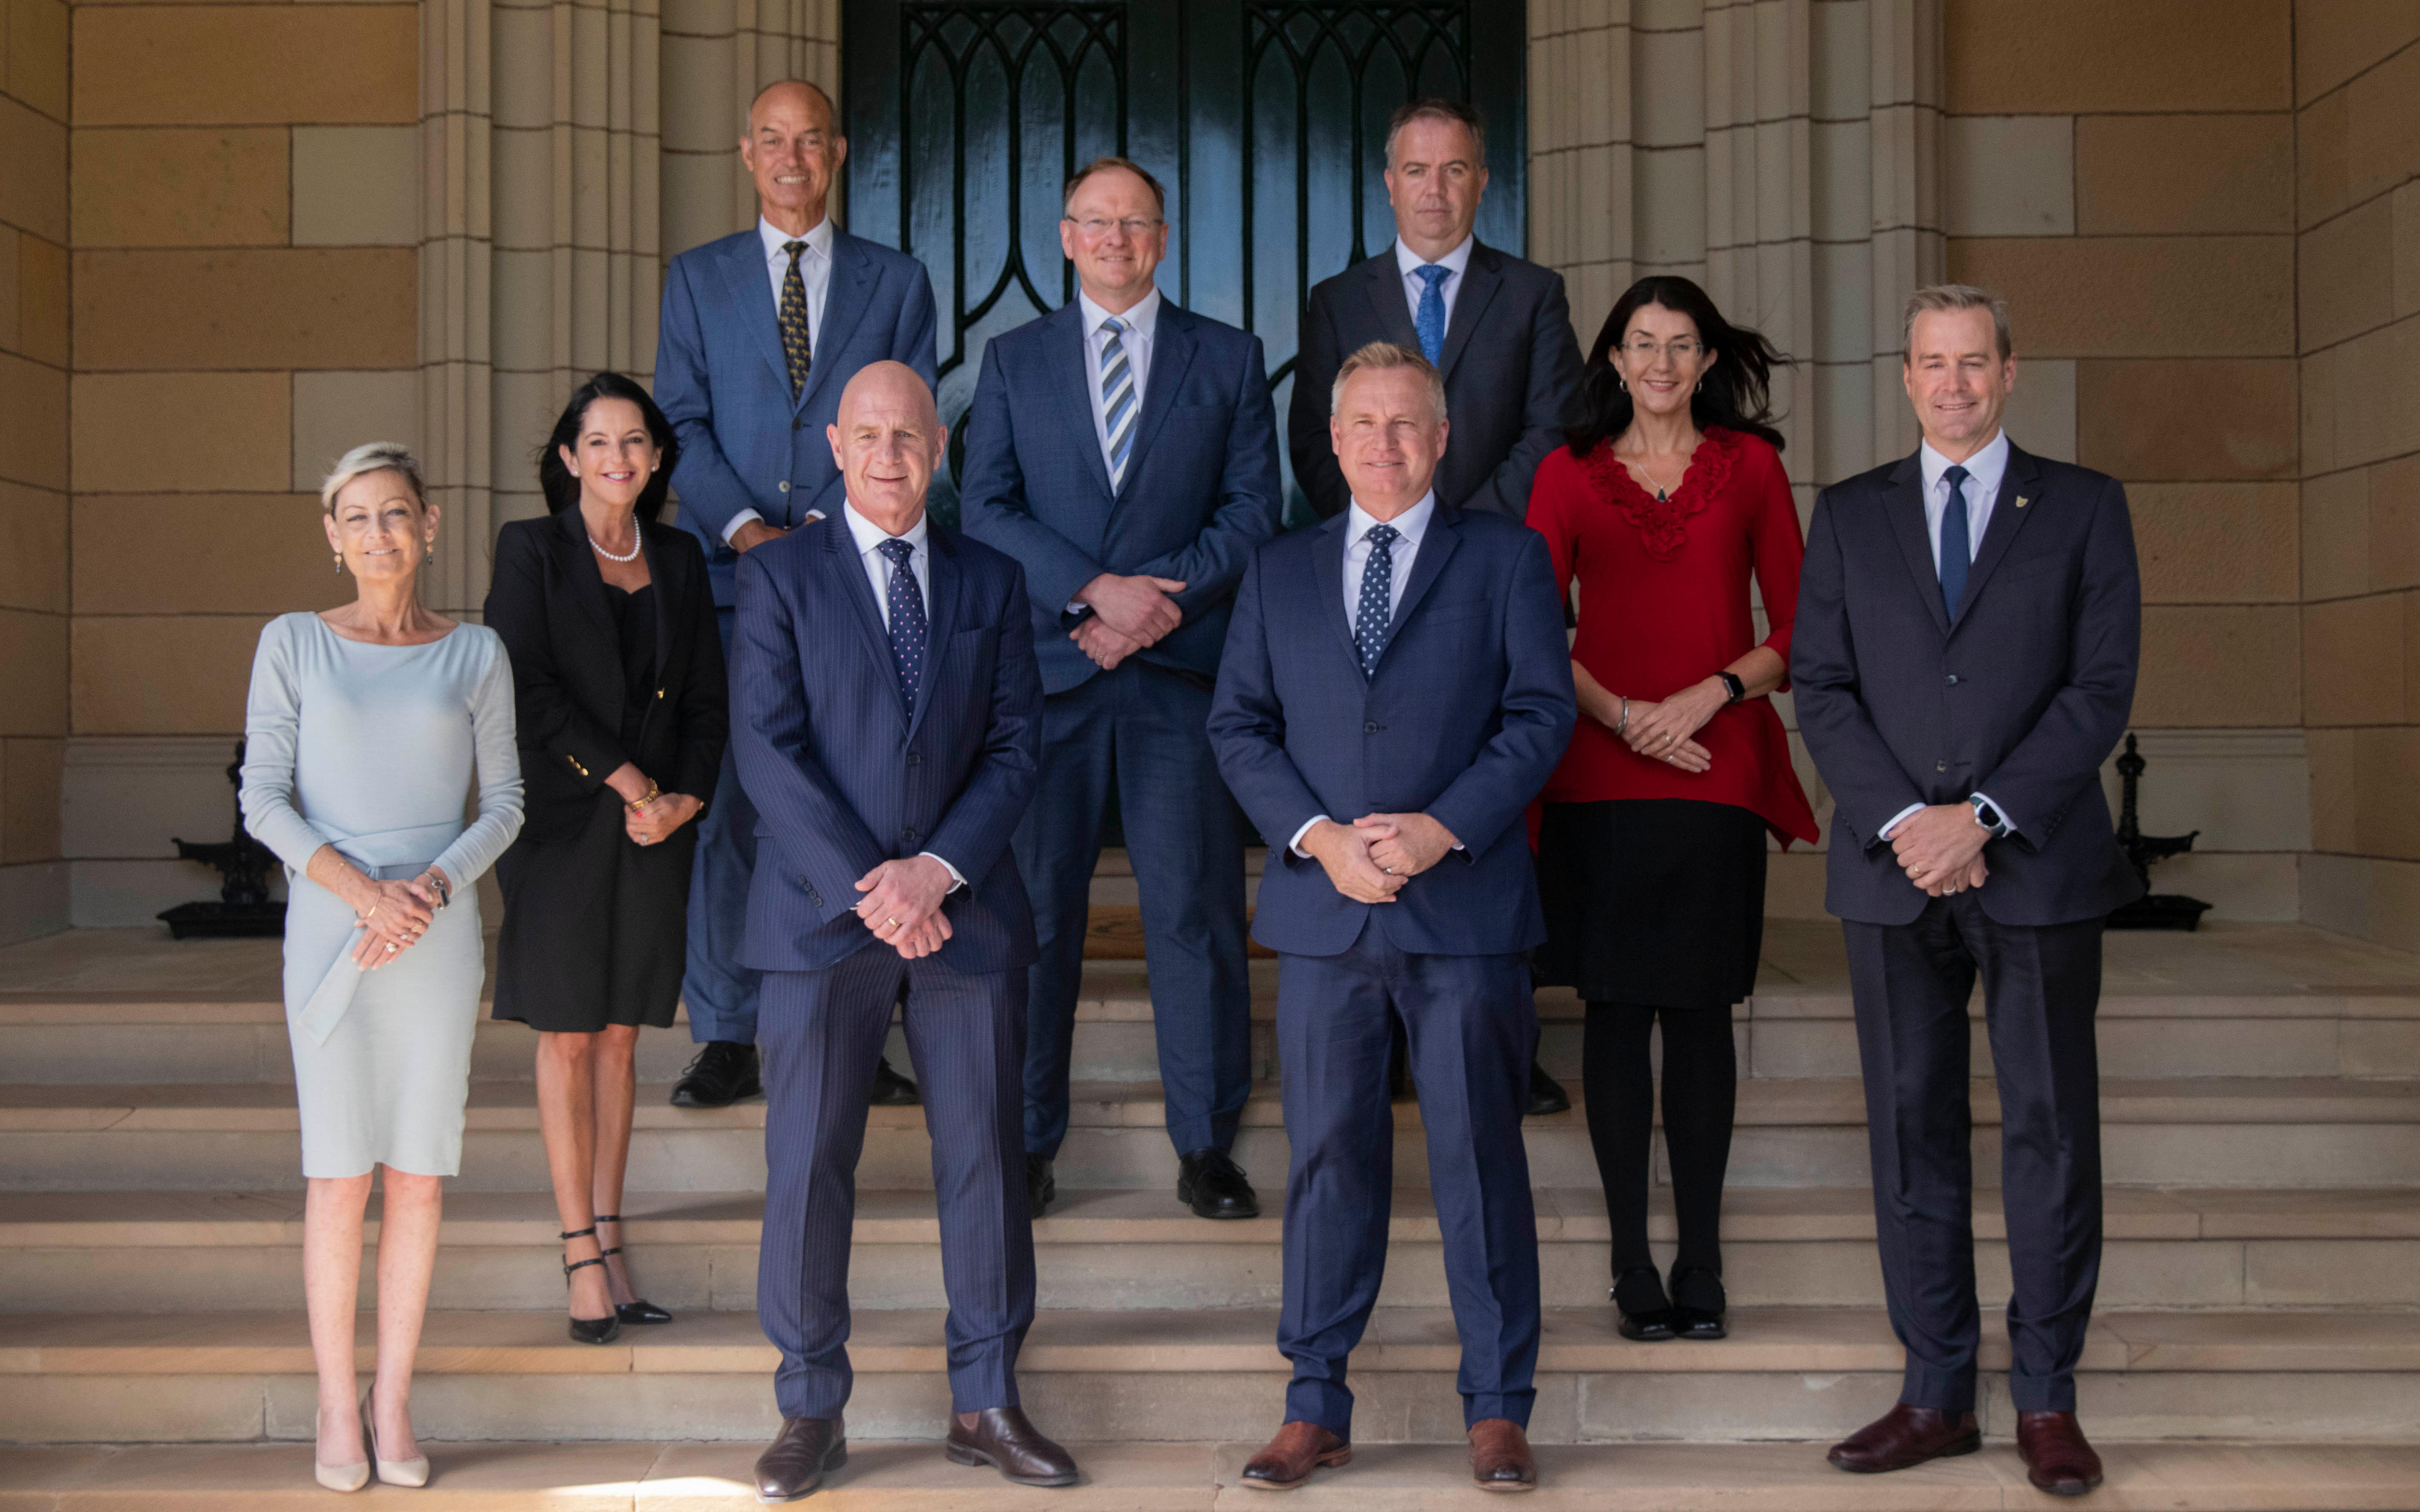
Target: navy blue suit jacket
{"x":1201,"y":489}
{"x":843,"y":778}
{"x":1465,"y":718}
{"x":719,"y":377}
{"x":2022,"y":696}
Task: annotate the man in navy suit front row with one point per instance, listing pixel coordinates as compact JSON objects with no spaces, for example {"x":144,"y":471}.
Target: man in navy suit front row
{"x":886,"y":714}
{"x":1396,"y":688}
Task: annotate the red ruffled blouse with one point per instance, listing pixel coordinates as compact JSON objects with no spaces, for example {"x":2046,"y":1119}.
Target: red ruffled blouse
{"x":1664,"y":603}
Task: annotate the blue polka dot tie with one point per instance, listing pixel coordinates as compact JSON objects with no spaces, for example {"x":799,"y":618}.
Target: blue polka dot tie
{"x":1430,"y":320}
{"x":1375,"y":614}
{"x":906,"y":621}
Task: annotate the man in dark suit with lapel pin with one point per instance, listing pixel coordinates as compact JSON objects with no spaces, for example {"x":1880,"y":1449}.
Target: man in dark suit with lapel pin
{"x":1124,"y":451}
{"x":760,"y":333}
{"x":1397,"y":687}
{"x":1498,"y":328}
{"x":885,"y":705}
{"x":1969,"y":624}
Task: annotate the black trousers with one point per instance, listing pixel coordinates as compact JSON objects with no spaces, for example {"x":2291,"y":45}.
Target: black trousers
{"x":1700,"y":1094}
{"x":2041,"y":986}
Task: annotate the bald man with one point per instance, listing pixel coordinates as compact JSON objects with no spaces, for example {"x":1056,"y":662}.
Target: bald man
{"x":887,"y":709}
{"x":761,"y":332}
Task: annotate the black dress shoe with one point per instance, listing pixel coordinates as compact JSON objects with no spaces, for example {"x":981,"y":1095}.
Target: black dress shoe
{"x":794,"y":1463}
{"x":1643,"y":1312}
{"x":890,"y":1089}
{"x":1041,"y":1186}
{"x":1698,"y":1304}
{"x":1214,"y":1184}
{"x":1546,"y":1095}
{"x":722,"y":1073}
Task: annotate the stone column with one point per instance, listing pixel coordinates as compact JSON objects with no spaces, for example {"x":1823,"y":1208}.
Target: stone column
{"x":717,"y":55}
{"x":457,"y":236}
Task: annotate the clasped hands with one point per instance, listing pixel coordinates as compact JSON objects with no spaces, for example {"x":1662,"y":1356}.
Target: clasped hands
{"x":393,"y":915}
{"x":1371,"y":859}
{"x":1941,"y":848}
{"x":654,"y":821}
{"x":1661,"y":730}
{"x":903,"y":904}
{"x":1129,"y":614}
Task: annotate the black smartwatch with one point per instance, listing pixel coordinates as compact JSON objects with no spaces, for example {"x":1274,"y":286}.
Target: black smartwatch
{"x":1731,"y":681}
{"x":1989,"y":816}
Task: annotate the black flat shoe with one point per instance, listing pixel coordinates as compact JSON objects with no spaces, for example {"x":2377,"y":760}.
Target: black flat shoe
{"x":1546,"y":1095}
{"x":1213,"y":1186}
{"x":1646,"y":1328}
{"x":642,"y":1311}
{"x":724,"y":1072}
{"x":1697,"y":1303}
{"x":1697,"y":1323}
{"x":589,"y":1330}
{"x":1644,"y":1313}
{"x":890,"y":1089}
{"x":1040,"y":1185}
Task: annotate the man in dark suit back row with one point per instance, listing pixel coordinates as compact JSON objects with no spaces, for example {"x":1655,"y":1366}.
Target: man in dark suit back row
{"x":1498,"y":329}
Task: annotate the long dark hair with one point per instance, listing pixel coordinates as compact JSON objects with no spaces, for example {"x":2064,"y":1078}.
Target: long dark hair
{"x":1735,"y":394}
{"x":562,"y":490}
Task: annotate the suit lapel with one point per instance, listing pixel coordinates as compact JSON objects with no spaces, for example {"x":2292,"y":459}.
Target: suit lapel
{"x":1437,"y":548}
{"x":1383,"y":284}
{"x":2021,"y":480}
{"x":585,"y":583}
{"x":845,"y":296}
{"x":1480,"y":281}
{"x":1905,"y":505}
{"x":1076,"y":403}
{"x":1172,"y":353}
{"x":1328,"y":587}
{"x":752,"y":293}
{"x":940,"y":611}
{"x":842,"y":564}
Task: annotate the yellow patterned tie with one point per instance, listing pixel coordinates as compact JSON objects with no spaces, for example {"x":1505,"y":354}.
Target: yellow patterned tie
{"x":795,"y":351}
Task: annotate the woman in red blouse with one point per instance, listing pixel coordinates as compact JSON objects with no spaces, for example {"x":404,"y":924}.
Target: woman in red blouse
{"x":1667,"y":499}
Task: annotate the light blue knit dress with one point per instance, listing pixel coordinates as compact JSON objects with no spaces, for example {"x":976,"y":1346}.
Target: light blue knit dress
{"x":372,"y":749}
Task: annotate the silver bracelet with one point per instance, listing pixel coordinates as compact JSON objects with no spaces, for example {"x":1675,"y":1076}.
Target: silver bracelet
{"x":1626,"y":713}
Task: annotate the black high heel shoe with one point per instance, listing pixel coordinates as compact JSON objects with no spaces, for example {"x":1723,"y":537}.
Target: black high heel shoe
{"x":1699,"y":1304}
{"x":1653,"y":1320}
{"x":589,"y":1330}
{"x":642,"y":1311}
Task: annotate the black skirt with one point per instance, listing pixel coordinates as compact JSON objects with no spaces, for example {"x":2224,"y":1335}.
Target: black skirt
{"x":595,"y":927}
{"x":1655,"y":901}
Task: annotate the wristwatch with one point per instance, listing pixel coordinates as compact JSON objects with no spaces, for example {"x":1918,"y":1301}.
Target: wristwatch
{"x":1731,"y":681}
{"x":1988,"y":817}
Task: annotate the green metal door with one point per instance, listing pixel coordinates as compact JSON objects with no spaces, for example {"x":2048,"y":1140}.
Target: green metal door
{"x":1266,"y":121}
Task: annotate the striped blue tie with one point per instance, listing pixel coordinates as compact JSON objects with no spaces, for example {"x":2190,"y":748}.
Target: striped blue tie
{"x":1117,"y":399}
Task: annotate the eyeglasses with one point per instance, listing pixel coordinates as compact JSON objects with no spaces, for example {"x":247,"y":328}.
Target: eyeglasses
{"x":1682,"y":350}
{"x":1134,"y":225}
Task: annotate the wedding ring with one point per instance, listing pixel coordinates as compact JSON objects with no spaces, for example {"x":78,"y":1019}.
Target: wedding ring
{"x":390,"y":947}
{"x":1391,"y":871}
{"x":889,"y":920}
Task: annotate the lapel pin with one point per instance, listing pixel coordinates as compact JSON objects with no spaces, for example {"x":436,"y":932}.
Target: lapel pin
{"x":2021,"y":501}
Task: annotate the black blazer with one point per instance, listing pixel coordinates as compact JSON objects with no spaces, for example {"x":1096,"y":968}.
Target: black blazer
{"x":1511,"y":370}
{"x":2022,"y":696}
{"x":546,"y":599}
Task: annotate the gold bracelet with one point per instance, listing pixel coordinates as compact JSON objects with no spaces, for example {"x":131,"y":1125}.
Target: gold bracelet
{"x":652,"y":793}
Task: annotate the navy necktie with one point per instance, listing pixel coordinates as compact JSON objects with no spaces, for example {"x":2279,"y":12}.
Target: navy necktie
{"x":1956,"y":548}
{"x":906,"y":621}
{"x":1429,"y":321}
{"x":1375,"y":613}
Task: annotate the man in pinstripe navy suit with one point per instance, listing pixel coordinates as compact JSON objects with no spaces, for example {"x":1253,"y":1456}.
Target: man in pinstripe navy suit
{"x":886,"y":707}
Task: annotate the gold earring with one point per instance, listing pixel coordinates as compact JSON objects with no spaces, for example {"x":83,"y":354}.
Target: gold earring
{"x":430,"y":560}
{"x":340,"y":564}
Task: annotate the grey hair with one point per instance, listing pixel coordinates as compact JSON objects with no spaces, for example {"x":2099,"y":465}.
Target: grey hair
{"x":1377,"y":357}
{"x":372,"y":457}
{"x":1437,"y":108}
{"x":1933,"y":298}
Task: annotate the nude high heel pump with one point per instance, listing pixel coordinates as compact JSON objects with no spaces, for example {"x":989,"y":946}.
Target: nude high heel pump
{"x":350,"y":1478}
{"x":393,"y":1471}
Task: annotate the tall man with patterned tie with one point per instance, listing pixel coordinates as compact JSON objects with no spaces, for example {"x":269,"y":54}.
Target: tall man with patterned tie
{"x":1125,"y":450}
{"x":1498,"y":328}
{"x":761,"y":332}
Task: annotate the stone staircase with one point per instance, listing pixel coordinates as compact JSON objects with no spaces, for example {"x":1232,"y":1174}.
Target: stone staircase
{"x":2257,"y":1342}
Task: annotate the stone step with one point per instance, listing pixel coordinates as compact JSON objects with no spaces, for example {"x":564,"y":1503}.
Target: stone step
{"x":2254,"y":1132}
{"x":1815,"y":1373}
{"x":153,"y":1251}
{"x":908,"y":1475}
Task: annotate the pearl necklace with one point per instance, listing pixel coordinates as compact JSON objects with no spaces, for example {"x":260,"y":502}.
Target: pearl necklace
{"x":609,"y":555}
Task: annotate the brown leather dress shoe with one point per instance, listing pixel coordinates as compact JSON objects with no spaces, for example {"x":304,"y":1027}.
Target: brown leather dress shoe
{"x":1289,"y":1458}
{"x":795,"y":1465}
{"x":2057,"y":1458}
{"x":1001,"y":1438}
{"x":1906,"y":1436}
{"x":1499,"y":1456}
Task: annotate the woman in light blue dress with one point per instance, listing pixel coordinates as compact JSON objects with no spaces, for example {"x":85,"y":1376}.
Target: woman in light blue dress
{"x":362,"y":733}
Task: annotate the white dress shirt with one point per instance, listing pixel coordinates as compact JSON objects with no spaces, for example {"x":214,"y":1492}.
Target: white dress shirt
{"x":1448,"y":287}
{"x":1984,"y":471}
{"x":1141,"y":323}
{"x":869,"y":537}
{"x":1410,"y":527}
{"x":815,"y":270}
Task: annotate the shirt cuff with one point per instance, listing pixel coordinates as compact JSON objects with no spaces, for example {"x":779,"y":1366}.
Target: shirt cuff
{"x":1897,"y":819}
{"x":2007,"y":825}
{"x":1294,"y":844}
{"x":743,"y":518}
{"x":958,"y":879}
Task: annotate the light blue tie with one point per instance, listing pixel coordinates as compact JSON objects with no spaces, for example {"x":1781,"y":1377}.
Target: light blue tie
{"x":1957,"y":552}
{"x":1430,"y":323}
{"x":1117,"y":399}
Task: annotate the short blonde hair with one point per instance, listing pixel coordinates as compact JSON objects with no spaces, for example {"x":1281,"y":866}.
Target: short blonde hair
{"x":1934,"y":299}
{"x":1377,"y":357}
{"x":372,"y":457}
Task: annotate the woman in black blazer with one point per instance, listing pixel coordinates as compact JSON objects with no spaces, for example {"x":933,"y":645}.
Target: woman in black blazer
{"x":623,"y":712}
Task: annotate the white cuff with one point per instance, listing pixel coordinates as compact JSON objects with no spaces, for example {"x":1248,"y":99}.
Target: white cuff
{"x":743,"y":518}
{"x":1294,"y":844}
{"x":957,"y":877}
{"x":1897,"y":819}
{"x":2007,"y":825}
